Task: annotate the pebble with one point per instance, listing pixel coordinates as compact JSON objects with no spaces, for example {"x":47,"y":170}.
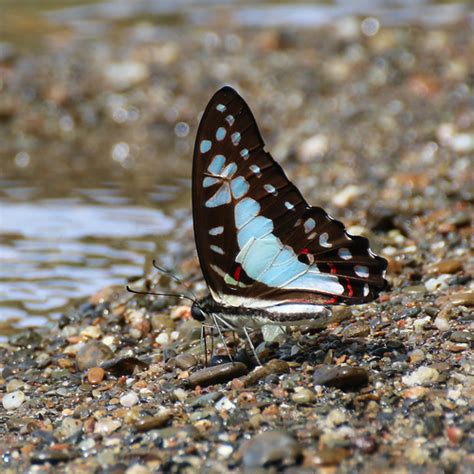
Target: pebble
{"x":273,"y":367}
{"x":107,"y":426}
{"x":445,"y":266}
{"x":347,"y":195}
{"x":129,"y":400}
{"x":441,"y":323}
{"x":92,"y":354}
{"x":416,"y":355}
{"x":356,"y":329}
{"x":95,"y":375}
{"x":14,"y":385}
{"x":13,"y":400}
{"x":275,"y":448}
{"x":185,"y":361}
{"x":154,"y":422}
{"x":462,"y":299}
{"x":343,"y":377}
{"x":303,"y":396}
{"x":68,"y":427}
{"x":123,"y":365}
{"x":462,"y":336}
{"x":313,"y":147}
{"x":93,"y":332}
{"x":217,"y":374}
{"x":421,"y":376}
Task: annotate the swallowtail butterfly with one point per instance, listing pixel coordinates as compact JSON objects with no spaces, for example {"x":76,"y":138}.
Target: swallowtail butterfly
{"x":266,"y":255}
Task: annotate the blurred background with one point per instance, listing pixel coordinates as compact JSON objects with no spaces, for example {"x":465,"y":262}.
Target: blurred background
{"x":363,"y":102}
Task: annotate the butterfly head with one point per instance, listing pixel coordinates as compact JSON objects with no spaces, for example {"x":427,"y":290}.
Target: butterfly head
{"x":198,"y":313}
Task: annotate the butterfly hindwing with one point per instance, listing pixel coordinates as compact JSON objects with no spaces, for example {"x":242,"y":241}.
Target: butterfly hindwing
{"x":256,"y":236}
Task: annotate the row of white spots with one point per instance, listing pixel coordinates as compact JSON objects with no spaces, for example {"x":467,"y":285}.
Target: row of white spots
{"x":217,"y":249}
{"x":361,"y":271}
{"x":256,"y":170}
{"x":323,"y":240}
{"x":216,"y":230}
{"x":221,"y":107}
{"x":221,"y":133}
{"x":270,"y":189}
{"x":309,"y":225}
{"x":235,"y":137}
{"x":289,"y":206}
{"x":344,"y":253}
{"x":205,"y":146}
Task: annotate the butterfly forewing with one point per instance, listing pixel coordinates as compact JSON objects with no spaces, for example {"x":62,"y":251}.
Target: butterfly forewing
{"x":256,"y":236}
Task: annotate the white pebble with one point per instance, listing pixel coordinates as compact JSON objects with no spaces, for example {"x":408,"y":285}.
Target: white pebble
{"x":437,"y":283}
{"x":162,"y":338}
{"x":13,"y":400}
{"x":224,"y":450}
{"x":314,"y":147}
{"x":441,"y":323}
{"x":129,"y":399}
{"x":421,"y":376}
{"x":420,"y":324}
{"x":224,"y":404}
{"x":347,"y":195}
{"x":107,"y":425}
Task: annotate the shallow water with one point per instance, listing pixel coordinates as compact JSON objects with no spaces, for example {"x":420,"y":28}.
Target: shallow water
{"x":55,"y":251}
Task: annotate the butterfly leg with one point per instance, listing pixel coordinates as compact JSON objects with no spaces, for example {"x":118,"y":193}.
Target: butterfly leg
{"x":204,"y":342}
{"x":216,"y":323}
{"x":251,"y":345}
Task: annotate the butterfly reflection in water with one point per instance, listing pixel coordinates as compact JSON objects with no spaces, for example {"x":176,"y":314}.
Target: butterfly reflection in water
{"x":268,"y":257}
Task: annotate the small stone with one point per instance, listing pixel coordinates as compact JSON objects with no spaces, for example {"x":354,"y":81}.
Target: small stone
{"x":438,"y":283}
{"x":14,"y":385}
{"x":421,"y":376}
{"x":162,"y":338}
{"x":313,"y":147}
{"x":123,"y":365}
{"x":414,"y":393}
{"x":356,"y":329}
{"x":129,"y":399}
{"x":138,"y":469}
{"x":303,"y":396}
{"x":420,"y":324}
{"x":441,"y":323}
{"x":185,"y":361}
{"x":347,"y":195}
{"x":92,"y":354}
{"x":68,"y":427}
{"x":462,"y":299}
{"x":462,"y":336}
{"x":224,"y":404}
{"x":13,"y":400}
{"x":336,"y":417}
{"x":273,"y":367}
{"x":217,"y":374}
{"x":343,"y":377}
{"x":454,"y":434}
{"x":107,"y":425}
{"x":122,"y":75}
{"x":95,"y":375}
{"x":93,"y":332}
{"x":154,"y":422}
{"x":271,"y":447}
{"x":446,"y":266}
{"x":416,"y":355}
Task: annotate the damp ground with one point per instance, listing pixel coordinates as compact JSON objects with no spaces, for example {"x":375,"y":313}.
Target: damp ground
{"x":371,"y":114}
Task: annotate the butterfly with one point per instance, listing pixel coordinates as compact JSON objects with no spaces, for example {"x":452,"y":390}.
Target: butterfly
{"x":267,"y":256}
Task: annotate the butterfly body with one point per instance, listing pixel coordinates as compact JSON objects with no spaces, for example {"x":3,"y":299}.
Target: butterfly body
{"x":236,"y":318}
{"x":266,"y":255}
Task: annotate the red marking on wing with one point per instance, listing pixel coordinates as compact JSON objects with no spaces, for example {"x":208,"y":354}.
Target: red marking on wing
{"x":349,"y":287}
{"x":333,"y":268}
{"x":237,"y":273}
{"x":304,"y":251}
{"x":331,"y":300}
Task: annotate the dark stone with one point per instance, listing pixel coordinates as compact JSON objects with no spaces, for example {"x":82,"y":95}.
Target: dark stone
{"x":218,"y":374}
{"x":93,"y":354}
{"x":343,"y":377}
{"x":123,"y":365}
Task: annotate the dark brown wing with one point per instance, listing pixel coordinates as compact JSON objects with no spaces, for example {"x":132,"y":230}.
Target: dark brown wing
{"x":256,"y":236}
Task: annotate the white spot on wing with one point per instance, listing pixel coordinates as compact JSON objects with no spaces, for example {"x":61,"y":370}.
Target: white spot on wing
{"x":235,"y":138}
{"x":221,"y":133}
{"x":323,"y":240}
{"x":361,"y":271}
{"x":366,"y":289}
{"x":255,"y":170}
{"x":217,"y":249}
{"x":230,"y":120}
{"x":216,"y":230}
{"x":309,"y":225}
{"x":221,"y":107}
{"x":289,"y":206}
{"x":345,"y":254}
{"x":270,"y":189}
{"x":205,"y":146}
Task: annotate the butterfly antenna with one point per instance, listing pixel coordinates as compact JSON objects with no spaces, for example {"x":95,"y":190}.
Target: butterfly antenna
{"x":178,"y":280}
{"x":175,"y":295}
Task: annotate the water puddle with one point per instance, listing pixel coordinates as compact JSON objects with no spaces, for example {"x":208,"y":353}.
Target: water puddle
{"x":56,"y":251}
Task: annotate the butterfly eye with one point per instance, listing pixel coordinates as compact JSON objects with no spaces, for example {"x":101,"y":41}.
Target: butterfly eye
{"x":197,"y":313}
